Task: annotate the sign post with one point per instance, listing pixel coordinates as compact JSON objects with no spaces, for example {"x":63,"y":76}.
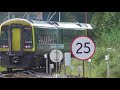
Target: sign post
{"x":51,"y":67}
{"x":89,"y":60}
{"x":83,"y":48}
{"x":46,"y":56}
{"x":83,"y":69}
{"x":56,"y":56}
{"x":107,"y":62}
{"x":67,"y":60}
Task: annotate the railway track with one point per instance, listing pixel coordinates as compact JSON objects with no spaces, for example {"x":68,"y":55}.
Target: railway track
{"x":27,"y":74}
{"x":34,"y":73}
{"x":24,"y":74}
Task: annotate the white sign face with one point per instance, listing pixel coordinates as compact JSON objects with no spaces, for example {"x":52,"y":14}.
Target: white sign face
{"x":67,"y":59}
{"x":45,"y":56}
{"x":107,"y":57}
{"x":52,"y":66}
{"x":83,"y":48}
{"x":56,"y":57}
{"x":59,"y":46}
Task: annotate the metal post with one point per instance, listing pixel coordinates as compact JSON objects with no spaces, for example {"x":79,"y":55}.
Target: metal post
{"x":83,"y":68}
{"x":108,"y":74}
{"x":64,"y":65}
{"x":46,"y":63}
{"x":59,"y":16}
{"x":89,"y":61}
{"x":86,"y":17}
{"x":56,"y":61}
{"x":56,"y":40}
{"x":56,"y":46}
{"x":86,"y":35}
{"x":60,"y":61}
{"x":52,"y":16}
{"x":107,"y":65}
{"x":51,"y":67}
{"x":56,"y":49}
{"x":25,"y":14}
{"x":50,"y":70}
{"x":90,"y":69}
{"x":59,"y":67}
{"x":8,"y":16}
{"x":48,"y":16}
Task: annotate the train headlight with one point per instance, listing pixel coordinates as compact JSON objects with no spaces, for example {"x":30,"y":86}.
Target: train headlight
{"x":4,"y":46}
{"x":28,"y":46}
{"x":25,"y":46}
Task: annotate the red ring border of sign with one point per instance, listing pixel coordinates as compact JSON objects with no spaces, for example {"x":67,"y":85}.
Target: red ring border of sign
{"x":74,"y":40}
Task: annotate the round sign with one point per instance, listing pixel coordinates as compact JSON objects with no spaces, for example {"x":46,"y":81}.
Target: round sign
{"x":83,"y":48}
{"x":56,"y":57}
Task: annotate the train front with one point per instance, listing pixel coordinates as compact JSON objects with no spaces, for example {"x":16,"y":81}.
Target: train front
{"x":17,"y":44}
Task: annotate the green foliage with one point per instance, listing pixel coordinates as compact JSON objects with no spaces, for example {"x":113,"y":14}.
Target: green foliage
{"x":105,"y":22}
{"x":101,"y":69}
{"x":76,"y":16}
{"x":99,"y":55}
{"x":115,"y":66}
{"x":107,"y":34}
{"x":75,"y":63}
{"x":2,"y":69}
{"x":67,"y":17}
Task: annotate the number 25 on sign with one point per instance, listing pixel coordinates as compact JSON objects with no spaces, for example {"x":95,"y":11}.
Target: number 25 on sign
{"x":83,"y":48}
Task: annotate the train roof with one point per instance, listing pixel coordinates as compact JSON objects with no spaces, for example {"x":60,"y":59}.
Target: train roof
{"x":61,"y":25}
{"x":54,"y":24}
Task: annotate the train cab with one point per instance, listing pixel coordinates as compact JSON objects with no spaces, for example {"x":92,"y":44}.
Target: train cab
{"x":16,"y":41}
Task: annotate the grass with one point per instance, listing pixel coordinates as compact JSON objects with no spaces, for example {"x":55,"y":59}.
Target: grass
{"x":75,"y":63}
{"x":2,"y":69}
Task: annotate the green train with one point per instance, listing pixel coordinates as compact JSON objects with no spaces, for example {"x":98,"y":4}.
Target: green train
{"x":23,"y":43}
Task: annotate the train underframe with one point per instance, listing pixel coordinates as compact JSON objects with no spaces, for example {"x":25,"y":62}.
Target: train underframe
{"x":26,"y":61}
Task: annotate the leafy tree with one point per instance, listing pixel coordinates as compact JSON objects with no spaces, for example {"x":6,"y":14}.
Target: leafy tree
{"x":107,"y":33}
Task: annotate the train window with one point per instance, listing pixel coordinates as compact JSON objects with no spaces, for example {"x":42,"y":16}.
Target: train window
{"x":4,"y":37}
{"x":28,"y":37}
{"x":4,"y":33}
{"x":27,"y":34}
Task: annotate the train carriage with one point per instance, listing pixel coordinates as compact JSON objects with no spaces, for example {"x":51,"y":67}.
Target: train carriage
{"x":23,"y":43}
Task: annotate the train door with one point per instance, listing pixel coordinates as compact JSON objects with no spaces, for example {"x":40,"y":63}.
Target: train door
{"x":16,"y":39}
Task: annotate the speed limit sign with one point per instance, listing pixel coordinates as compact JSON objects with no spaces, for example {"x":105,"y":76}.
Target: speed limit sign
{"x":83,"y":48}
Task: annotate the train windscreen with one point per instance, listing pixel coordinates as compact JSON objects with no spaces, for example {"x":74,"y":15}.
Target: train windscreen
{"x":28,"y":42}
{"x":4,"y":37}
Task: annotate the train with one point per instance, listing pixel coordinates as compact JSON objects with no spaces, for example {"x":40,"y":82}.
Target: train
{"x":23,"y":43}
